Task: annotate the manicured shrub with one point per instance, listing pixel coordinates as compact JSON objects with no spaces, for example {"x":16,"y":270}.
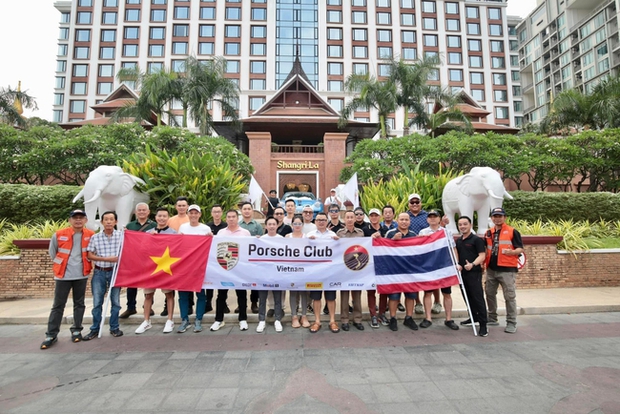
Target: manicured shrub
{"x":21,"y":203}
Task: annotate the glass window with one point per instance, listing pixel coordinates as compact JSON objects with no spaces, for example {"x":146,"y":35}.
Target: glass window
{"x":408,"y":36}
{"x":476,"y":78}
{"x":85,"y":3}
{"x":472,"y":12}
{"x":407,"y":19}
{"x":232,"y":66}
{"x":407,"y":4}
{"x":106,"y":71}
{"x":177,"y":66}
{"x":384,"y":52}
{"x":360,"y":52}
{"x":180,"y":30}
{"x":59,"y":98}
{"x":360,"y":68}
{"x":108,"y":35}
{"x":108,"y":18}
{"x":360,"y":34}
{"x":358,"y":17}
{"x":77,"y":107}
{"x":132,"y":1}
{"x":81,"y":52}
{"x":358,"y":3}
{"x":158,"y":1}
{"x":516,"y":90}
{"x":433,"y":75}
{"x":259,"y":32}
{"x":478,"y":94}
{"x":475,"y":61}
{"x":65,"y":17}
{"x":233,"y":31}
{"x":384,"y":35}
{"x":256,"y":102}
{"x":429,"y":23}
{"x":500,"y":96}
{"x":334,"y":68}
{"x":258,"y":49}
{"x":259,"y":14}
{"x":258,"y":66}
{"x":258,"y":84}
{"x":501,"y":112}
{"x":181,"y":12}
{"x":431,"y":55}
{"x":131,"y":33}
{"x":207,"y":30}
{"x":207,"y":12}
{"x":132,"y":15}
{"x":104,"y":88}
{"x":157,"y":33}
{"x":62,"y":50}
{"x":60,"y":82}
{"x":82,"y":35}
{"x":452,"y":8}
{"x":383,"y":70}
{"x":233,"y":13}
{"x":455,"y":58}
{"x":430,"y":40}
{"x":334,"y":16}
{"x":334,"y":51}
{"x":158,"y":15}
{"x":454,"y":41}
{"x":499,"y":79}
{"x":61,"y":65}
{"x":495,"y":29}
{"x":130,"y":50}
{"x":336,"y":103}
{"x":156,"y":50}
{"x":84,"y":17}
{"x":333,"y":2}
{"x":80,"y":71}
{"x":497,"y":46}
{"x":206,"y":48}
{"x":455,"y":75}
{"x":473,"y":28}
{"x":428,"y":6}
{"x":179,"y":48}
{"x":409,"y":53}
{"x":63,"y":34}
{"x":155,"y":67}
{"x":453,"y":25}
{"x":474,"y":45}
{"x":78,"y":88}
{"x":334,"y":86}
{"x":106,"y":53}
{"x":334,"y":33}
{"x":498,"y":62}
{"x":495,"y":13}
{"x":514,"y":60}
{"x":232,"y":48}
{"x":384,"y":18}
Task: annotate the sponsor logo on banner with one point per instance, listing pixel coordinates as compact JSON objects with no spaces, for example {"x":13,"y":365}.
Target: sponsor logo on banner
{"x":227,"y":255}
{"x":292,"y":284}
{"x":356,"y":285}
{"x":332,"y":284}
{"x":356,"y":257}
{"x":314,"y":285}
{"x":228,"y":284}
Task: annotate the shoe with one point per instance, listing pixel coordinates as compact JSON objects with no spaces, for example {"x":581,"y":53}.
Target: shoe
{"x":278,"y":326}
{"x":237,"y":309}
{"x":315,"y":327}
{"x":419,"y":309}
{"x":76,"y":337}
{"x":127,"y":313}
{"x":350,"y":309}
{"x":49,"y":341}
{"x":384,"y":320}
{"x":425,"y":323}
{"x":183,"y":327}
{"x":198,"y":326}
{"x":254,"y":307}
{"x":333,"y":326}
{"x":374,"y":322}
{"x":226,"y":309}
{"x":510,"y":328}
{"x":410,"y":323}
{"x":144,"y":326}
{"x":209,"y":308}
{"x":358,"y":326}
{"x":191,"y":310}
{"x":243,"y":325}
{"x":270,"y":313}
{"x":116,"y":333}
{"x":91,"y":335}
{"x":467,"y":322}
{"x":325,"y":310}
{"x":450,"y":324}
{"x":345,"y":327}
{"x":164,"y":312}
{"x":401,"y":308}
{"x":152,"y":312}
{"x":393,"y":324}
{"x":217,"y":325}
{"x":260,"y":327}
{"x":483,"y":331}
{"x":436,"y":308}
{"x":492,"y":323}
{"x":169,"y":326}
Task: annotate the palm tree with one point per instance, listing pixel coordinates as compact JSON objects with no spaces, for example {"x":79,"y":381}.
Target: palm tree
{"x":449,"y":117}
{"x":371,"y":93}
{"x":570,"y":109}
{"x":606,"y":102}
{"x":12,"y":102}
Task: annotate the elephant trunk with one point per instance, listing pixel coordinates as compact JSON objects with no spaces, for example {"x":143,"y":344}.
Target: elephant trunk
{"x":94,"y":197}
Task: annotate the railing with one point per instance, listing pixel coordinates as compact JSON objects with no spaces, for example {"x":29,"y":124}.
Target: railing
{"x":297,"y":149}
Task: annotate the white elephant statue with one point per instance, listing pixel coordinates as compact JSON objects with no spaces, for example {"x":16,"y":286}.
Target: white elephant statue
{"x":108,"y":188}
{"x":481,"y":190}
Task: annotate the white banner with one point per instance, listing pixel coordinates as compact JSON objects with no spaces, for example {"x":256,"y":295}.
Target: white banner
{"x":290,"y":264}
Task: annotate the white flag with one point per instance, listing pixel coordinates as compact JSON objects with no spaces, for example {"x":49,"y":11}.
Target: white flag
{"x":350,"y":191}
{"x":256,"y":193}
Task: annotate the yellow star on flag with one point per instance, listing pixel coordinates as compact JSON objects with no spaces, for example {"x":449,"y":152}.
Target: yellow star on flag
{"x":164,"y":262}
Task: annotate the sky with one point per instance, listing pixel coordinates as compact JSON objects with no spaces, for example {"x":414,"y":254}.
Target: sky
{"x":29,"y":33}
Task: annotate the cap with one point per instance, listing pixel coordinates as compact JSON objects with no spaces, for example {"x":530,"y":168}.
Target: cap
{"x":194,"y":207}
{"x":77,"y":212}
{"x":414,"y":195}
{"x":273,"y":191}
{"x":433,"y":212}
{"x":374,"y":211}
{"x":498,"y":211}
{"x":333,"y":189}
{"x":308,"y":208}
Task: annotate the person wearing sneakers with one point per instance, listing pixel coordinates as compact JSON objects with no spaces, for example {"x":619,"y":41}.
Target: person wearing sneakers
{"x":194,"y":227}
{"x":271,"y":225}
{"x":298,"y":298}
{"x":232,"y":230}
{"x":71,"y":269}
{"x":103,"y":251}
{"x":434,"y":220}
{"x":471,"y":256}
{"x":504,"y":245}
{"x":161,"y":217}
{"x":402,"y":232}
{"x":255,"y":229}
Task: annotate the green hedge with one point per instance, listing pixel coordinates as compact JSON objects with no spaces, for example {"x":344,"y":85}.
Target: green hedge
{"x":20,"y":203}
{"x":532,"y":206}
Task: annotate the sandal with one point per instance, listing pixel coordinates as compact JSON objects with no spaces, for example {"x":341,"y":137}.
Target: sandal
{"x":315,"y":327}
{"x":333,"y":326}
{"x":304,"y":322}
{"x":295,"y":322}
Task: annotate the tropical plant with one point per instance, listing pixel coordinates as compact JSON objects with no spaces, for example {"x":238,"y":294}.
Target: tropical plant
{"x":14,"y":232}
{"x":12,"y":102}
{"x":448,"y":117}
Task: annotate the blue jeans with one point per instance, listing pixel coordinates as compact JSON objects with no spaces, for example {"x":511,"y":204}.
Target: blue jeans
{"x":201,"y":304}
{"x":99,"y":284}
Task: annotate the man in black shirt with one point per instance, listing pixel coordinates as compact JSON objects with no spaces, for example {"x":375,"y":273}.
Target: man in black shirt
{"x":272,"y":203}
{"x":216,"y":225}
{"x":283,"y":229}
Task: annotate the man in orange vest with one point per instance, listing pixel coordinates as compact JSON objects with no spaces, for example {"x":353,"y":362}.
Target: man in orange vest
{"x":71,"y":269}
{"x":504,"y":245}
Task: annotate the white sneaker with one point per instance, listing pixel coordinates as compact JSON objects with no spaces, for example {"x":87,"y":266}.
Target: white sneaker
{"x":217,"y":325}
{"x":144,"y":326}
{"x":169,"y":327}
{"x":261,"y":327}
{"x":243,"y":325}
{"x":278,"y":326}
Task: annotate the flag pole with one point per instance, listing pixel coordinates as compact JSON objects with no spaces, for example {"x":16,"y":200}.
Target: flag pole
{"x":458,"y":274}
{"x":106,"y":304}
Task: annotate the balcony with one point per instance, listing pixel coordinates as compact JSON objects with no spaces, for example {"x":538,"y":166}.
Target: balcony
{"x":296,"y":149}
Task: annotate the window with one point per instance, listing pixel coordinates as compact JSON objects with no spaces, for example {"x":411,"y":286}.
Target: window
{"x":501,"y":112}
{"x":62,"y":50}
{"x":132,"y":15}
{"x":233,"y":13}
{"x":430,"y":40}
{"x":232,"y":48}
{"x":179,"y":48}
{"x":478,"y":94}
{"x":409,"y":53}
{"x":259,"y":14}
{"x":59,"y":98}
{"x":130,"y":50}
{"x":454,"y":41}
{"x":65,"y":17}
{"x":259,"y":32}
{"x":500,"y":96}
{"x":428,"y":7}
{"x":157,"y":33}
{"x":104,"y":88}
{"x":156,"y":50}
{"x":177,"y":66}
{"x":233,"y":31}
{"x":475,"y":61}
{"x":334,"y":16}
{"x":85,"y":3}
{"x":158,"y":1}
{"x":329,"y":2}
{"x":334,"y":68}
{"x":334,"y":51}
{"x":494,"y":13}
{"x":472,"y":12}
{"x":429,"y":23}
{"x":384,"y":52}
{"x":514,"y":45}
{"x":358,"y":3}
{"x":78,"y":88}
{"x":61,"y":66}
{"x":587,"y":59}
{"x":60,"y":82}
{"x":360,"y":34}
{"x":81,"y":52}
{"x":181,"y":12}
{"x":476,"y":78}
{"x":455,"y":75}
{"x":258,"y":84}
{"x":258,"y":66}
{"x":132,"y":1}
{"x":360,"y":52}
{"x":474,"y":45}
{"x":336,"y":103}
{"x":384,"y":70}
{"x":131,"y":33}
{"x":77,"y":107}
{"x":453,"y":25}
{"x":431,"y":55}
{"x":84,"y":18}
{"x":258,"y":49}
{"x":495,"y":29}
{"x":108,"y":35}
{"x":360,"y":68}
{"x":473,"y":28}
{"x":207,"y":13}
{"x":498,"y":62}
{"x":407,"y":19}
{"x":108,"y":18}
{"x":408,"y":36}
{"x":206,"y":48}
{"x":384,"y":3}
{"x":358,"y":17}
{"x":452,"y":8}
{"x":232,"y":66}
{"x":433,"y":75}
{"x":517,"y":106}
{"x":63,"y":34}
{"x":334,"y":86}
{"x":384,"y":18}
{"x":516,"y":90}
{"x":256,"y":102}
{"x":80,"y":71}
{"x":158,"y":15}
{"x":334,"y":33}
{"x":82,"y":35}
{"x":207,"y":30}
{"x":106,"y":53}
{"x":407,"y":4}
{"x":106,"y":71}
{"x":180,"y":30}
{"x":497,"y":46}
{"x":499,"y":79}
{"x":455,"y":58}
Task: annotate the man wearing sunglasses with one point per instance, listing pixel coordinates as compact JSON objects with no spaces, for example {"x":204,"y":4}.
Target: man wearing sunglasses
{"x":307,"y":214}
{"x":283,"y":229}
{"x":334,"y":223}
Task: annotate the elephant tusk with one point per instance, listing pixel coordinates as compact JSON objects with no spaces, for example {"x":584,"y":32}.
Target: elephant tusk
{"x":492,"y":195}
{"x":78,"y":196}
{"x":508,"y":196}
{"x":94,"y":197}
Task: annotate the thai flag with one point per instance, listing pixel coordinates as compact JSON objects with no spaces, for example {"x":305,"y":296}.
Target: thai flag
{"x":414,"y":264}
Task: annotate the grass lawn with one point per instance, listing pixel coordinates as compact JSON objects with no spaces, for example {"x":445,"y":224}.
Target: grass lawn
{"x":603,"y":243}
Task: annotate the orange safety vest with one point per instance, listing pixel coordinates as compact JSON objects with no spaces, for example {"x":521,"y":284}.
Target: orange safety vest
{"x":64,"y":238}
{"x":505,"y":241}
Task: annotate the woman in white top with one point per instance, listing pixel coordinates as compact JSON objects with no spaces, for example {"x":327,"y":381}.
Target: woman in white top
{"x":271,"y":224}
{"x":296,"y":296}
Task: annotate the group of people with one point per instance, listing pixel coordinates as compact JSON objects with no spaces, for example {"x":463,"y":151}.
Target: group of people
{"x":76,"y":251}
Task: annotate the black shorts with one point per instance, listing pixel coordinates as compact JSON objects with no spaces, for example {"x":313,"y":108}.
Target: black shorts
{"x":318,"y":294}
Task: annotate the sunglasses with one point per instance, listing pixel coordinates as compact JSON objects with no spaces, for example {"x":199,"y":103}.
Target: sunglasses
{"x":359,"y":214}
{"x":298,"y":224}
{"x":334,"y":211}
{"x":414,"y":202}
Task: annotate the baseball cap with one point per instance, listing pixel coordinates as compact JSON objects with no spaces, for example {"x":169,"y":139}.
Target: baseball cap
{"x":433,"y":212}
{"x":414,"y":195}
{"x":333,"y":189}
{"x":77,"y":212}
{"x":498,"y":211}
{"x":194,"y":207}
{"x":374,"y":211}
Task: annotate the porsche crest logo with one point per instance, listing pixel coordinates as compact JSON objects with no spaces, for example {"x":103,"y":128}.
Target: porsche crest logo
{"x":227,"y":255}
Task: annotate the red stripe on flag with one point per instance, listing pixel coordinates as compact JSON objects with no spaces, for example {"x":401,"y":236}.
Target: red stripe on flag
{"x":418,"y":286}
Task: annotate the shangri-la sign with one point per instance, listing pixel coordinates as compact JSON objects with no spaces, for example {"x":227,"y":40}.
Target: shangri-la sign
{"x":306,"y":165}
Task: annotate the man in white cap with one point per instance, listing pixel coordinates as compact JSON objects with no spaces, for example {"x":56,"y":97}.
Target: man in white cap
{"x":333,"y":198}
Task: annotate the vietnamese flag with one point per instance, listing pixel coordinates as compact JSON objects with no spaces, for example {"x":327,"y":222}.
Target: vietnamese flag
{"x":163,"y":261}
